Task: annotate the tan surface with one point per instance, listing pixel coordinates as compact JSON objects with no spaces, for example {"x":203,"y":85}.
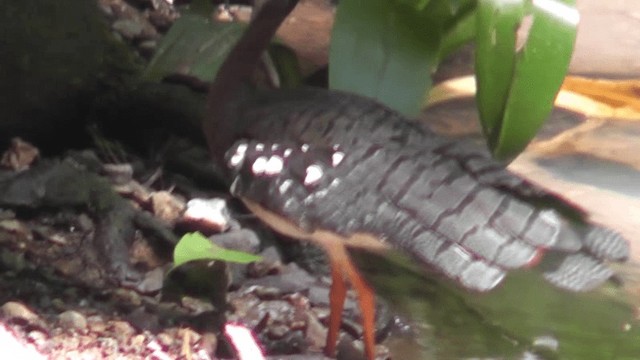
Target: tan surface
{"x":608,"y":41}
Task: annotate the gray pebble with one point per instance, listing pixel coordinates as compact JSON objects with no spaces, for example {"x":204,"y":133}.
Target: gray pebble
{"x":129,"y":29}
{"x":72,"y":320}
{"x":13,"y":310}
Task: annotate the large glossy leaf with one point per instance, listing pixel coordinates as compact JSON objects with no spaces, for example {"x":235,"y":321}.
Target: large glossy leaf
{"x":193,"y":46}
{"x":196,"y":47}
{"x":386,"y":49}
{"x":517,"y":81}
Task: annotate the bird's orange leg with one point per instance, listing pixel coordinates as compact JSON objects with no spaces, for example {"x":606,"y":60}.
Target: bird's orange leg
{"x":337,"y":295}
{"x":342,"y":266}
{"x":367,"y":301}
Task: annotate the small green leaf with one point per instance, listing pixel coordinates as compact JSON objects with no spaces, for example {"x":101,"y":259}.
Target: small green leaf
{"x":496,"y":23}
{"x":286,"y":64}
{"x":195,"y":246}
{"x":517,"y":83}
{"x":540,"y":69}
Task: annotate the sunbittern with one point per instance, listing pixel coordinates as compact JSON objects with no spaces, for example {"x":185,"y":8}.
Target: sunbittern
{"x":343,"y":170}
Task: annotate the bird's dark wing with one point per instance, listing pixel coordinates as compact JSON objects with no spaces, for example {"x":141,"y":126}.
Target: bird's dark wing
{"x":422,"y":200}
{"x":446,"y":203}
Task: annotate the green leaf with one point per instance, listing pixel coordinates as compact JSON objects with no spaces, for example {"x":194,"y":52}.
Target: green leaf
{"x":195,"y":246}
{"x":193,"y":46}
{"x":495,"y":58}
{"x":416,"y":4}
{"x":505,"y":322}
{"x":286,"y":65}
{"x":461,"y":31}
{"x":385,"y":50}
{"x":517,"y":86}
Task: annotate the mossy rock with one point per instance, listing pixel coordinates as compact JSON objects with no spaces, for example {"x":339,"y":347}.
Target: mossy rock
{"x":55,"y":56}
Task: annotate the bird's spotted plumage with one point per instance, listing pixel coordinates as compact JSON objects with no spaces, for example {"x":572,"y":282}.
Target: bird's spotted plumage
{"x":359,"y":168}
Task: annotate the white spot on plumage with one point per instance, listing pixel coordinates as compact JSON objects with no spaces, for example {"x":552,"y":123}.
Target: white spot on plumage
{"x":259,"y":165}
{"x":274,"y":165}
{"x":260,"y":147}
{"x":314,"y":174}
{"x":304,"y":147}
{"x":320,"y":194}
{"x":287,"y":152}
{"x":336,"y":158}
{"x":234,"y":186}
{"x":238,"y":156}
{"x":286,"y":185}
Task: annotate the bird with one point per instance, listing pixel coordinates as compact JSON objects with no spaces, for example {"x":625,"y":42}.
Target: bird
{"x":342,"y":170}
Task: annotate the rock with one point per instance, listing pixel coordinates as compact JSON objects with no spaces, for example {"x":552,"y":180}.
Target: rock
{"x":316,"y":333}
{"x":73,"y":320}
{"x":38,"y":339}
{"x":122,"y":329}
{"x":209,"y":342}
{"x":197,"y":306}
{"x":152,"y":281}
{"x":128,"y":299}
{"x":84,"y":223}
{"x":129,"y":29}
{"x":211,"y":215}
{"x":271,"y":263}
{"x":292,"y":279}
{"x":96,"y":324}
{"x":347,"y":349}
{"x":242,"y":240}
{"x":16,"y":227}
{"x":147,"y":48}
{"x":166,"y":206}
{"x":118,"y":174}
{"x":20,"y":155}
{"x":15,"y":311}
{"x":144,"y":320}
{"x":12,"y":260}
{"x":137,"y":341}
{"x":49,"y":91}
{"x":319,"y":295}
{"x":165,"y":340}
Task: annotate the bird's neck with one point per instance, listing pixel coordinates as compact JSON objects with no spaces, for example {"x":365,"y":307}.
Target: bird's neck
{"x":236,"y":71}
